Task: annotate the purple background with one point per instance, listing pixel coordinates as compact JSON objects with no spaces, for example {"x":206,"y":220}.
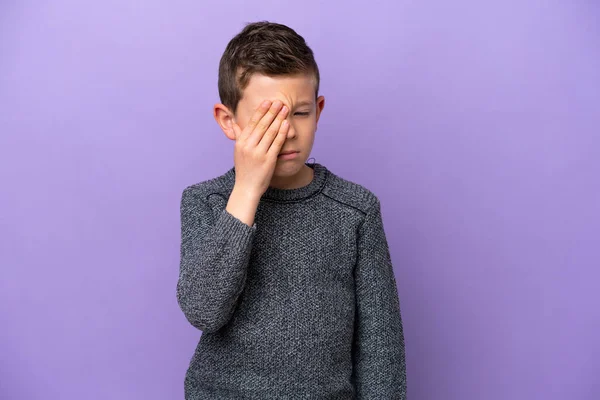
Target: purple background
{"x":476,"y":124}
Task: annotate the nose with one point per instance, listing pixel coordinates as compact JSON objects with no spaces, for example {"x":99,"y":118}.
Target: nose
{"x":291,"y":131}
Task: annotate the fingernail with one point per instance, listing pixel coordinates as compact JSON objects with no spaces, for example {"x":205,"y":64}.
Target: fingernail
{"x":266,"y":103}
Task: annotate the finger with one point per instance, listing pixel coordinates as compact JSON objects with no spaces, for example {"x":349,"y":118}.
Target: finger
{"x":237,"y":131}
{"x":258,"y":114}
{"x":279,"y":139}
{"x":265,"y":123}
{"x":271,"y":133}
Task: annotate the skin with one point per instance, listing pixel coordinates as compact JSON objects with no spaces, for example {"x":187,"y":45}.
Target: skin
{"x":297,"y":92}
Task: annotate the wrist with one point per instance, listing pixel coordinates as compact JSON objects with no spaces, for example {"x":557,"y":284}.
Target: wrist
{"x":249,"y":194}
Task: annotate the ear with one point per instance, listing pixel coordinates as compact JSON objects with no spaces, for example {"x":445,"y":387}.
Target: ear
{"x":225,"y":119}
{"x":320,"y":106}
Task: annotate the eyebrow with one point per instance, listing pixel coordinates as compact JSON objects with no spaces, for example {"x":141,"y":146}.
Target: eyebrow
{"x":304,"y":103}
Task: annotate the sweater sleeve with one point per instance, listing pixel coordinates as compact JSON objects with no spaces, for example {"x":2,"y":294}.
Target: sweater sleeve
{"x":378,"y":349}
{"x":215,"y":252}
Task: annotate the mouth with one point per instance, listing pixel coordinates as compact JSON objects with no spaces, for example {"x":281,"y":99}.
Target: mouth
{"x":287,"y":155}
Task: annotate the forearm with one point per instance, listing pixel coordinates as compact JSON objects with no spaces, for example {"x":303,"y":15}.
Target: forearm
{"x":380,"y":363}
{"x":215,"y":253}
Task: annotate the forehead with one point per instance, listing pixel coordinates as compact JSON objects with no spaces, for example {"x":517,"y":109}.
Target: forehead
{"x":290,"y":89}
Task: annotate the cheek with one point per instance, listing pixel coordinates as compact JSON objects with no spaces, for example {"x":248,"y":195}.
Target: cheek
{"x":305,"y":124}
{"x":242,"y":120}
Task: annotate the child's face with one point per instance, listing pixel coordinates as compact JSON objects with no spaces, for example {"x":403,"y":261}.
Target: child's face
{"x":298,"y":93}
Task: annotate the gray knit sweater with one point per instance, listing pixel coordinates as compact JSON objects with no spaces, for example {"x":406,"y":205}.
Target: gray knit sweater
{"x":301,"y":305}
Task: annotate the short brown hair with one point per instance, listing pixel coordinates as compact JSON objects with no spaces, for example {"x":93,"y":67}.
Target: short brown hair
{"x":262,"y":47}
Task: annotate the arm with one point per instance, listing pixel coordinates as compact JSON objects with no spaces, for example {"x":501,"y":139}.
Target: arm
{"x":214,"y":258}
{"x":215,"y":253}
{"x":378,"y":351}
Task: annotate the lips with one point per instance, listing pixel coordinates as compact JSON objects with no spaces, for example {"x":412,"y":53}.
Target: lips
{"x":288,"y":155}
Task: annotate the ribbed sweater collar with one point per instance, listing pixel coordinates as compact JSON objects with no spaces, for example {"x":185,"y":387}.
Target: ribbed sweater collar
{"x":292,"y":195}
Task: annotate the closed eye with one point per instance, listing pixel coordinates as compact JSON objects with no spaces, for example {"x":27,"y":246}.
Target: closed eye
{"x":302,"y":113}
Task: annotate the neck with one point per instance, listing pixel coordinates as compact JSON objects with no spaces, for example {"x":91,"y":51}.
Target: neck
{"x":301,"y":179}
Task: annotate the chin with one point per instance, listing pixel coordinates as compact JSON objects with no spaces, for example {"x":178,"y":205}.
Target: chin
{"x":287,"y":168}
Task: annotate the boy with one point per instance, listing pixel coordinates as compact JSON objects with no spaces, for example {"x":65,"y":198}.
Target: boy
{"x":285,"y":266}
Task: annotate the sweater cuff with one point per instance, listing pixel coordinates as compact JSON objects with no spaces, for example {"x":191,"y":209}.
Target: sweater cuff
{"x":237,"y":231}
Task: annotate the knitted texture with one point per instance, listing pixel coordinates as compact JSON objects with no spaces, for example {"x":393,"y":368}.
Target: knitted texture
{"x":301,"y":305}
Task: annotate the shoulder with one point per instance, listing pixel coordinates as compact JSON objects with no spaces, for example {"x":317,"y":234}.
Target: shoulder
{"x":350,"y":194}
{"x":221,"y":185}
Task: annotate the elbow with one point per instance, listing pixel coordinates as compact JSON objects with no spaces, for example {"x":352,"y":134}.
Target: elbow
{"x":204,"y":324}
{"x":203,"y":320}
